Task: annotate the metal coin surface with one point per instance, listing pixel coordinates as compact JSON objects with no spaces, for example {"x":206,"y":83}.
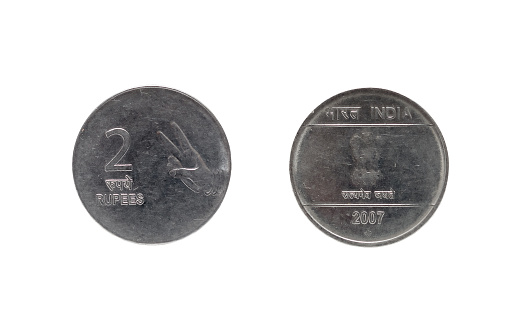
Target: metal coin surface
{"x":369,"y":167}
{"x":151,"y":165}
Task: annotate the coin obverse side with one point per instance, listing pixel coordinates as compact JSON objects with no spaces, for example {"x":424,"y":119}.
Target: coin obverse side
{"x":151,"y":165}
{"x":369,"y":167}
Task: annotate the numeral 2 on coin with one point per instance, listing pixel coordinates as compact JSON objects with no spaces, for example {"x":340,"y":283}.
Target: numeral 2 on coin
{"x":365,"y":217}
{"x":113,"y":164}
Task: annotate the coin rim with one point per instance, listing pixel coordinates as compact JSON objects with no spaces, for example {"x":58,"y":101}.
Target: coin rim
{"x":372,"y":90}
{"x":210,"y":114}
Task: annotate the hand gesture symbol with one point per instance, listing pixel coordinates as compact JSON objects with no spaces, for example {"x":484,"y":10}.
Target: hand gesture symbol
{"x":186,"y":164}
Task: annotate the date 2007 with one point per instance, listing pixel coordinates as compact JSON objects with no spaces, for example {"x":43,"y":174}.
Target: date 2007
{"x":364,"y":217}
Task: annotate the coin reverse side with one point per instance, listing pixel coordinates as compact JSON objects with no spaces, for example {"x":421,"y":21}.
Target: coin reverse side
{"x":369,"y":167}
{"x":151,"y":165}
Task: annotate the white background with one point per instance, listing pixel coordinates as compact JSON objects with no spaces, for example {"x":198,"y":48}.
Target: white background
{"x":258,"y":266}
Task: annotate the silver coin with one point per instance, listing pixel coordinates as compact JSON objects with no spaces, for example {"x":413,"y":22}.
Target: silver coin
{"x":369,"y":167}
{"x":151,"y":165}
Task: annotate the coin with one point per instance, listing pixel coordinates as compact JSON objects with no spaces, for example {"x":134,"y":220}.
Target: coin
{"x":369,"y":167}
{"x":151,"y":165}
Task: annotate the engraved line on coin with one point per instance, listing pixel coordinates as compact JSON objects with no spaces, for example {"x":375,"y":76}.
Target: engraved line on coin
{"x":364,"y":205}
{"x":368,"y":124}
